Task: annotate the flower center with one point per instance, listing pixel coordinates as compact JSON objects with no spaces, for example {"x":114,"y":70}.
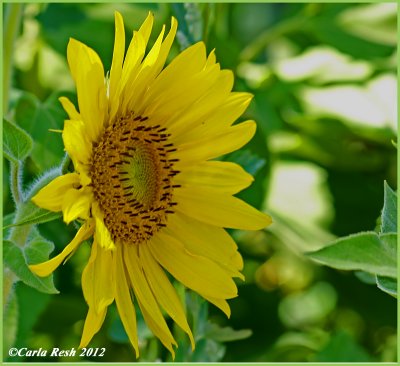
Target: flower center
{"x":132,"y":178}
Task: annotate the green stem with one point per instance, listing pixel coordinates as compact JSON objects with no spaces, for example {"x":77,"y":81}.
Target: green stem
{"x":12,"y":22}
{"x":15,"y":182}
{"x":9,"y":279}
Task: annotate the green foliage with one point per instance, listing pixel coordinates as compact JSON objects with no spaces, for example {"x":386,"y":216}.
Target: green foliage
{"x":17,"y":260}
{"x":369,"y":251}
{"x":364,"y":251}
{"x":17,"y":144}
{"x":389,"y":211}
{"x":37,"y":119}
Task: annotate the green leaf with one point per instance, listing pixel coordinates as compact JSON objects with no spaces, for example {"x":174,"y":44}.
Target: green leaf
{"x":363,"y":251}
{"x":387,"y":284}
{"x":17,"y":144}
{"x":190,"y":23}
{"x":389,"y":211}
{"x":33,"y":214}
{"x":38,"y":118}
{"x":225,"y":334}
{"x":36,"y":251}
{"x":342,"y":347}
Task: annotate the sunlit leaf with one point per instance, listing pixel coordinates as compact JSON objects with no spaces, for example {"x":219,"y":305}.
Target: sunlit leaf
{"x":389,"y":211}
{"x":363,"y":251}
{"x":17,"y":259}
{"x":17,"y":144}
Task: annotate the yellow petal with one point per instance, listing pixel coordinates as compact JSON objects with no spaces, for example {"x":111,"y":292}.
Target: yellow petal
{"x":219,"y":175}
{"x":206,"y":240}
{"x":102,"y":234}
{"x":76,"y":142}
{"x":205,"y":106}
{"x":176,"y":100}
{"x":46,"y":268}
{"x":196,"y":272}
{"x":220,"y":119}
{"x":98,"y":279}
{"x":146,"y":300}
{"x":151,"y":67}
{"x":88,"y":73}
{"x":93,"y":323}
{"x":70,"y":109}
{"x":77,"y":203}
{"x":219,"y":303}
{"x":163,"y":291}
{"x":215,"y":208}
{"x":118,"y":56}
{"x":51,"y":196}
{"x":123,"y":300}
{"x":208,"y":148}
{"x":188,"y":63}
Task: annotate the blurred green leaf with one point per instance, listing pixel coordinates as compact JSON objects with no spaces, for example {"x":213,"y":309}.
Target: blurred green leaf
{"x":389,"y":211}
{"x":37,"y":118}
{"x":248,"y":160}
{"x":308,"y":307}
{"x":363,"y":251}
{"x":226,"y":334}
{"x":342,"y":348}
{"x":387,"y":284}
{"x":208,"y":350}
{"x":16,"y":259}
{"x":17,"y":144}
{"x":190,"y":21}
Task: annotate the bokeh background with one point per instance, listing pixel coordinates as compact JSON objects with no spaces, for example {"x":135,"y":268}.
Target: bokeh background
{"x":324,"y":83}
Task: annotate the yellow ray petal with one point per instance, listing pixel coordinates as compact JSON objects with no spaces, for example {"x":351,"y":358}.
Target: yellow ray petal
{"x":215,"y":208}
{"x":206,"y":240}
{"x":93,"y":323}
{"x":118,"y":57}
{"x":219,"y":303}
{"x":102,"y":234}
{"x":163,"y":291}
{"x":77,"y":203}
{"x":76,"y":141}
{"x":146,"y":300}
{"x":70,"y":109}
{"x":188,"y":63}
{"x":123,"y":300}
{"x":88,"y":73}
{"x":208,"y":148}
{"x":98,"y":279}
{"x":51,"y":196}
{"x":180,"y":96}
{"x":221,"y":118}
{"x":46,"y":268}
{"x":219,"y":175}
{"x":205,"y":105}
{"x":196,"y":272}
{"x":134,"y":92}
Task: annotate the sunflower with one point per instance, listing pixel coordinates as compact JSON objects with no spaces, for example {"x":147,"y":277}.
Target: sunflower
{"x":145,"y":185}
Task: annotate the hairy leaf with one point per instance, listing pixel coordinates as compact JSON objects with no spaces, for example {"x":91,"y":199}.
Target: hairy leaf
{"x":364,"y":251}
{"x":17,"y":144}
